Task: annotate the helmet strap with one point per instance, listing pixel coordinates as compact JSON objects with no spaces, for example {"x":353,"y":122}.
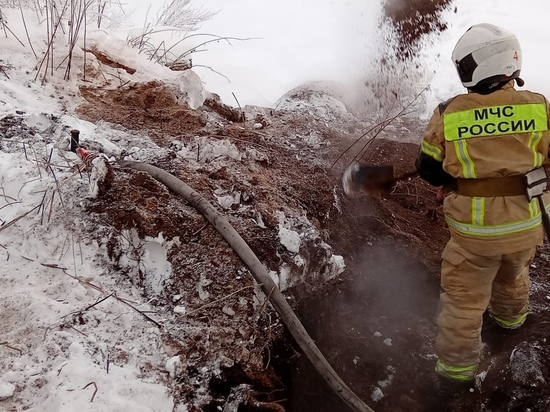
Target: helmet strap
{"x":520,"y":82}
{"x":488,"y":88}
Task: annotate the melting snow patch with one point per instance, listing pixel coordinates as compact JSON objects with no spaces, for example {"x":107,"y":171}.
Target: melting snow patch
{"x":377,"y":394}
{"x":180,"y":309}
{"x":203,"y":294}
{"x":98,"y":174}
{"x":6,"y":390}
{"x":289,"y":239}
{"x":172,"y":365}
{"x":156,"y":266}
{"x":526,"y":365}
{"x":228,"y":310}
{"x":274,"y":277}
{"x":284,"y":277}
{"x":337,"y":262}
{"x":227,"y":201}
{"x":480,"y":377}
{"x":388,"y":381}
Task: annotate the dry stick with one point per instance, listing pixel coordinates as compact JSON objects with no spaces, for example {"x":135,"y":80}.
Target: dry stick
{"x":204,"y":43}
{"x":385,"y":123}
{"x":262,"y":308}
{"x":240,"y":108}
{"x":90,"y":306}
{"x":100,"y":11}
{"x":218,"y":300}
{"x":259,"y":272}
{"x":137,"y":310}
{"x":383,"y":126}
{"x":49,"y":166}
{"x":26,"y":30}
{"x":51,"y":35}
{"x":50,"y":39}
{"x":84,"y":42}
{"x":51,"y":206}
{"x":13,"y":221}
{"x":85,"y":282}
{"x":74,"y":253}
{"x":200,"y":230}
{"x":3,"y":71}
{"x":2,"y":22}
{"x":36,"y":160}
{"x":95,"y":391}
{"x":213,"y":71}
{"x":11,"y":347}
{"x":42,"y":207}
{"x":61,"y":368}
{"x":5,"y":26}
{"x":81,"y":255}
{"x":6,"y":197}
{"x":82,"y":333}
{"x":52,"y":54}
{"x":154,"y":53}
{"x":75,"y":29}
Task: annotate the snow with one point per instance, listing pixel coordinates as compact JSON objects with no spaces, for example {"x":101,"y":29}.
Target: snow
{"x":51,"y":272}
{"x":6,"y":390}
{"x":289,"y":239}
{"x":377,"y":394}
{"x":330,"y":40}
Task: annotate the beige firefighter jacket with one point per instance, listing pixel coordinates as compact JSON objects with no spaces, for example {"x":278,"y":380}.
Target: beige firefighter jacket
{"x":505,"y":133}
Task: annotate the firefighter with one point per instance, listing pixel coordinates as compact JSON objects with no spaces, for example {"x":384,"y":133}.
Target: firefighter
{"x":479,"y":146}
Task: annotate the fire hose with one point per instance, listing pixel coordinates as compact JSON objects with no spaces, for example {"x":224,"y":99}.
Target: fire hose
{"x":259,"y":272}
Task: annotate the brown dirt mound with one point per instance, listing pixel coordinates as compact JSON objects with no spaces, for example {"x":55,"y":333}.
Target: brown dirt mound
{"x":413,"y":19}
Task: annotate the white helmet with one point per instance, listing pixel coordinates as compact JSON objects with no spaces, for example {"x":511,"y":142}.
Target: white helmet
{"x":487,"y":55}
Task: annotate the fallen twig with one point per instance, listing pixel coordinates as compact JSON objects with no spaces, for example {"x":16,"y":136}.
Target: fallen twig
{"x":200,"y":230}
{"x":85,"y":282}
{"x":139,"y":311}
{"x":18,"y":218}
{"x":98,"y":302}
{"x":26,"y":30}
{"x":5,"y":196}
{"x":219,"y":300}
{"x":53,"y":266}
{"x":82,"y":333}
{"x":7,"y":345}
{"x":61,"y":368}
{"x":262,"y":308}
{"x":240,"y":108}
{"x":95,"y":391}
{"x":3,"y":71}
{"x":382,"y":125}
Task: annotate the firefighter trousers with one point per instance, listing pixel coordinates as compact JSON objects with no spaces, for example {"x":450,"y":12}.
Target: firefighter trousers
{"x":471,"y":284}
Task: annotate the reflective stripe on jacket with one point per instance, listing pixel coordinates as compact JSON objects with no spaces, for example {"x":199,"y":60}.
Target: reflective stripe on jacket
{"x":477,"y":136}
